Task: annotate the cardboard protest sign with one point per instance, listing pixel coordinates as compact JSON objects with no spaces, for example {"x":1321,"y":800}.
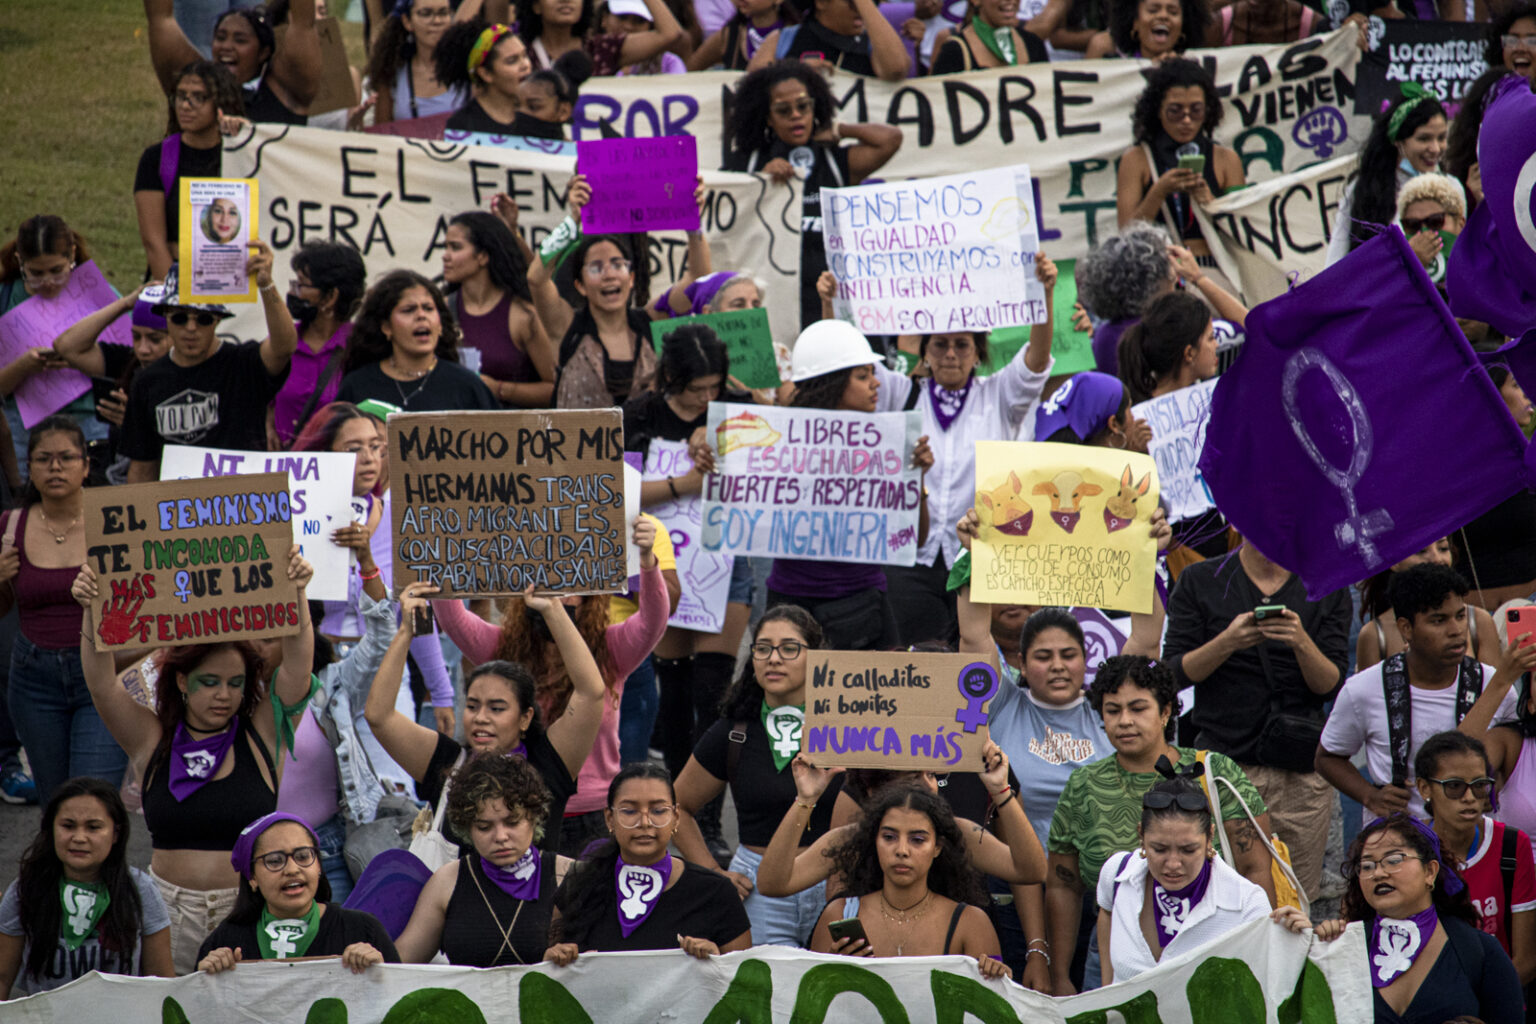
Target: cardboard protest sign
{"x":320,"y":493}
{"x":1442,"y":56}
{"x":1064,"y":524}
{"x":706,"y":577}
{"x":813,"y":484}
{"x":201,"y":562}
{"x":935,"y":255}
{"x":1178,"y":422}
{"x":748,"y":340}
{"x":218,"y":218}
{"x":639,"y":184}
{"x":337,"y":90}
{"x":902,"y":710}
{"x":35,"y":322}
{"x":489,"y":503}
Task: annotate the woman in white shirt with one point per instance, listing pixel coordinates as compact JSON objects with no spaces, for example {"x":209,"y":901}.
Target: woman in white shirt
{"x":1193,"y":897}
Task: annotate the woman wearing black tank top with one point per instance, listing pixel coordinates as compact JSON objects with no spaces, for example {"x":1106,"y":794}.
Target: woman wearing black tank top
{"x":911,"y":886}
{"x":213,"y":753}
{"x":490,"y":907}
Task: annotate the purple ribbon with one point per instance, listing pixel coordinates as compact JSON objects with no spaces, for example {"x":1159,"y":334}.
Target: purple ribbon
{"x":639,"y":888}
{"x":1171,"y":908}
{"x":521,"y":880}
{"x":195,"y":762}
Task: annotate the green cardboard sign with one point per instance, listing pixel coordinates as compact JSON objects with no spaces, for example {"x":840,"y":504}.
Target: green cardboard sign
{"x":747,"y":338}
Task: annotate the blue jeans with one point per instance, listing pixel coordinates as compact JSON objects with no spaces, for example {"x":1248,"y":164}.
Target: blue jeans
{"x":58,"y":725}
{"x":637,"y":713}
{"x":779,"y":920}
{"x":333,"y":837}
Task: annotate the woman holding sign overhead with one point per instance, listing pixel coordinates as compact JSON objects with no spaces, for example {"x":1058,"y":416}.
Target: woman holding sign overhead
{"x":783,"y":124}
{"x":42,"y":545}
{"x":834,"y":368}
{"x":213,"y":749}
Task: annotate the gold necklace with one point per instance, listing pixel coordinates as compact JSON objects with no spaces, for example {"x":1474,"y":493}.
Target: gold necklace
{"x":414,"y":374}
{"x":48,"y":525}
{"x":908,"y":915}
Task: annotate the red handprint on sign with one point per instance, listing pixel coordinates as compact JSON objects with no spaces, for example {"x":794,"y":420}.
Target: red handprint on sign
{"x":119,"y":616}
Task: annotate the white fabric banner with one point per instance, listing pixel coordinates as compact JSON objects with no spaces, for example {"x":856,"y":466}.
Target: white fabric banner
{"x":320,"y":486}
{"x":706,"y":577}
{"x":392,"y":199}
{"x":936,"y":255}
{"x":1260,"y":973}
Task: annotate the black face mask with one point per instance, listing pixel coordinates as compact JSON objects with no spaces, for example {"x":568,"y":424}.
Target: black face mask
{"x":301,"y":309}
{"x":539,"y":626}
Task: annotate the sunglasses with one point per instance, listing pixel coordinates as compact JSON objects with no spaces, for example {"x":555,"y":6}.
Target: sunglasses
{"x":1160,"y":801}
{"x":1457,"y":788}
{"x":1434,"y":222}
{"x":181,"y":316}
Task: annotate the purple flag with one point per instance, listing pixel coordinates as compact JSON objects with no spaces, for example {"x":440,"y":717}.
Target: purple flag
{"x":1357,"y":425}
{"x":1491,"y":274}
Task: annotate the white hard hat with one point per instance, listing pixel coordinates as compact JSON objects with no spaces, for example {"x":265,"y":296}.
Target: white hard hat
{"x":828,"y":345}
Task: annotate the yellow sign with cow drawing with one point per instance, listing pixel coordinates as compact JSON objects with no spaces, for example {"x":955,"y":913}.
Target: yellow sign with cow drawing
{"x":1064,"y":524}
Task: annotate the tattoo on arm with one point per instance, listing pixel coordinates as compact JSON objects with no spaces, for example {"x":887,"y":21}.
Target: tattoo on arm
{"x":1244,"y":837}
{"x":1068,"y":876}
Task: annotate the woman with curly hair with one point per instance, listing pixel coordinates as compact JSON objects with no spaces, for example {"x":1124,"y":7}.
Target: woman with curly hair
{"x":1429,"y":960}
{"x":1151,"y":29}
{"x":1118,"y":280}
{"x":1099,"y":807}
{"x":492,"y":906}
{"x":1512,"y":41}
{"x":911,"y":886}
{"x":1430,"y":208}
{"x":279,"y":77}
{"x":783,"y":125}
{"x":76,"y":906}
{"x":617,"y":649}
{"x":631,"y":894}
{"x":402,"y":65}
{"x":1407,"y":139}
{"x":404,"y":350}
{"x":552,"y":28}
{"x":1175,"y":161}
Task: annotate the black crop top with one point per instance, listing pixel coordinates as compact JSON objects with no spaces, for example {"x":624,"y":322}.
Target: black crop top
{"x":212,"y":817}
{"x":472,"y":937}
{"x":762,"y":793}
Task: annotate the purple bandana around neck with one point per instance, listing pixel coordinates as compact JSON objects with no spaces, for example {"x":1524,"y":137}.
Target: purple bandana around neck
{"x":194,"y":762}
{"x":521,"y":880}
{"x":755,"y":36}
{"x":639,"y":888}
{"x":1396,"y":943}
{"x":947,"y":404}
{"x":1172,"y":907}
{"x":521,"y":750}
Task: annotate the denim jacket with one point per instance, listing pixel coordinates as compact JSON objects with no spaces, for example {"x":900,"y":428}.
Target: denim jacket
{"x":343,"y":691}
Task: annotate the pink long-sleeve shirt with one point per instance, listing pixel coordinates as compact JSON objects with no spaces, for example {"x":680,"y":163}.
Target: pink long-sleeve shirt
{"x":628,"y":644}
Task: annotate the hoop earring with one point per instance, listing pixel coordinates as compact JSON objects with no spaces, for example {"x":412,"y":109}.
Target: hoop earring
{"x":1123,"y":440}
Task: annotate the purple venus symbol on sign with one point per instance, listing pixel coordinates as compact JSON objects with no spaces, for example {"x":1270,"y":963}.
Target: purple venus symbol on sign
{"x":1321,"y":130}
{"x":978,"y":682}
{"x":1355,"y":530}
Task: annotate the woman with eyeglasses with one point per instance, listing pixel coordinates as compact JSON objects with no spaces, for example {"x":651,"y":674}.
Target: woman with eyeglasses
{"x":1494,"y":858}
{"x":606,"y":356}
{"x":343,"y":427}
{"x":631,"y":894}
{"x":1172,"y":894}
{"x":206,"y":391}
{"x":212,"y":748}
{"x":1512,"y":41}
{"x":284,"y":910}
{"x":404,"y":350}
{"x":42,"y":545}
{"x":329,"y":279}
{"x":783,"y":123}
{"x":402,"y":63}
{"x":1428,"y":959}
{"x":749,"y":748}
{"x":204,"y":103}
{"x":1175,"y":161}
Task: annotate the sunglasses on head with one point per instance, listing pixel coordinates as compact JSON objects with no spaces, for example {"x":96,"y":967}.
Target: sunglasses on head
{"x":180,"y":317}
{"x":1161,"y":801}
{"x":1413,"y":225}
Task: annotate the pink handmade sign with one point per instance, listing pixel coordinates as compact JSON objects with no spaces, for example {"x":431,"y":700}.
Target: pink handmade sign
{"x":37,"y":321}
{"x":639,"y":184}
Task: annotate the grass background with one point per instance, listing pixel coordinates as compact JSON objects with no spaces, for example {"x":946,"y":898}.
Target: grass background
{"x":78,"y":104}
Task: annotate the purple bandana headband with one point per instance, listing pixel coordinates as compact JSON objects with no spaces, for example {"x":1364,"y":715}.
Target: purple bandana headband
{"x":144,"y":315}
{"x":1085,"y":402}
{"x":1453,"y":882}
{"x":244,"y":853}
